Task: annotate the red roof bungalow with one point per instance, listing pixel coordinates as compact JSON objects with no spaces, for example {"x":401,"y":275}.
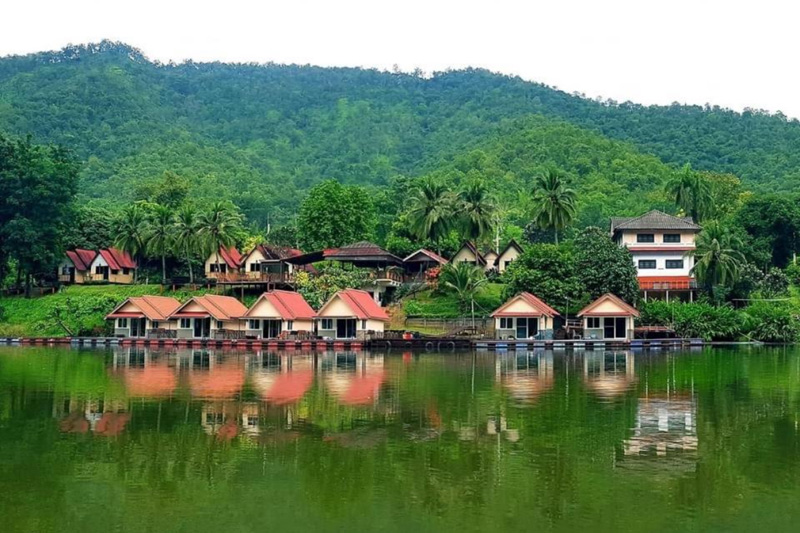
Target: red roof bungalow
{"x":269,"y":261}
{"x":524,"y":316}
{"x":107,"y":265}
{"x":225,"y":261}
{"x":143,"y":316}
{"x":277,"y":313}
{"x":351,"y":314}
{"x":210,"y":316}
{"x":608,"y":318}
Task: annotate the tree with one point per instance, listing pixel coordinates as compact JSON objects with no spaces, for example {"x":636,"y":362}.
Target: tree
{"x":464,"y":279}
{"x":90,"y":227}
{"x":160,"y":235}
{"x":549,"y":272}
{"x":330,"y":279}
{"x":217,"y":228}
{"x":131,"y":232}
{"x":476,"y":210}
{"x":170,"y":190}
{"x":554,"y":203}
{"x":772,"y":221}
{"x":718,"y":257}
{"x":430,"y":211}
{"x":691,"y":192}
{"x":603,"y":266}
{"x":186,"y":235}
{"x":334,"y":215}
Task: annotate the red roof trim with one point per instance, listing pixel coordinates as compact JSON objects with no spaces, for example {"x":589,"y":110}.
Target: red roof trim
{"x":627,"y":308}
{"x":532,"y":300}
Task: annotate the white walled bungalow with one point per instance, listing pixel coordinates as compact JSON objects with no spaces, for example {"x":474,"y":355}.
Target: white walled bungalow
{"x":468,"y":253}
{"x":511,"y":252}
{"x":269,"y":260}
{"x":351,"y":314}
{"x":524,"y":316}
{"x":608,"y":318}
{"x":210,"y":317}
{"x":108,"y":265}
{"x":277,"y":313}
{"x":144,"y":316}
{"x":225,"y":262}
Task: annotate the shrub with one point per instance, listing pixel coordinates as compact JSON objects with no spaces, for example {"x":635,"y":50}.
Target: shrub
{"x":793,"y":273}
{"x":412,"y":308}
{"x":775,"y":283}
{"x":694,"y":320}
{"x":767,"y":322}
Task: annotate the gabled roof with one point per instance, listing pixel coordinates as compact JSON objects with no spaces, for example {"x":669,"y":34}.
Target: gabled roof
{"x":230,"y":256}
{"x":290,"y":305}
{"x":218,"y":307}
{"x":82,"y":259}
{"x":363,"y":251}
{"x":152,"y":307}
{"x":273,"y":252}
{"x":470,"y":246}
{"x":360,"y":303}
{"x":608,"y":297}
{"x":531,"y":300}
{"x":655,"y":220}
{"x":425,"y":256}
{"x":511,"y":244}
{"x":117,"y":259}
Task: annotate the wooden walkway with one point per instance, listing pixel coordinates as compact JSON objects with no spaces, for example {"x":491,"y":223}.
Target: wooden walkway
{"x":240,"y":344}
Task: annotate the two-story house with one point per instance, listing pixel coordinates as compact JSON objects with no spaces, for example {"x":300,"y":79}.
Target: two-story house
{"x":662,"y":247}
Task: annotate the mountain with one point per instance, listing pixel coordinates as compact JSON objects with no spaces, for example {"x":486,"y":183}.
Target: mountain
{"x":261,"y":135}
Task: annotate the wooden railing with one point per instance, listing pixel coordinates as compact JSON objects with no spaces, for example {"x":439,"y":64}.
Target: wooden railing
{"x":680,"y":285}
{"x":256,"y":277}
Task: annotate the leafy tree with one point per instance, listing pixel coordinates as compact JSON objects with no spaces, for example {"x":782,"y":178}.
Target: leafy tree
{"x":187,"y":239}
{"x":217,"y":228}
{"x":476,"y":210}
{"x":603,"y":266}
{"x":334,"y":215}
{"x":463,"y":279}
{"x":431,"y":210}
{"x":160,"y":235}
{"x":768,"y":322}
{"x":548,"y":271}
{"x":774,"y":283}
{"x":718,"y":257}
{"x":691,"y":192}
{"x":699,"y":320}
{"x":772,"y":221}
{"x":90,"y":227}
{"x":131,"y":234}
{"x":554,"y":202}
{"x":170,"y":190}
{"x":331,"y":277}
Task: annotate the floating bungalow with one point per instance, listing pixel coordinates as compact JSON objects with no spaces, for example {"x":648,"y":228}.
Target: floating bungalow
{"x":210,"y":317}
{"x":524,"y":316}
{"x":278,"y":314}
{"x":108,"y":265}
{"x":144,"y":316}
{"x":351,"y":314}
{"x":608,"y":318}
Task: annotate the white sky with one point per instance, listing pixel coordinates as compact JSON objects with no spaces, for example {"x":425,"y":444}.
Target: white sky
{"x":721,"y":52}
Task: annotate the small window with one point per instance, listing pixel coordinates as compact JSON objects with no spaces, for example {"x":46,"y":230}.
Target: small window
{"x":363,"y":324}
{"x":647,"y":264}
{"x":645,"y":237}
{"x":674,"y":263}
{"x":255,"y":267}
{"x":122,"y":322}
{"x":254,"y":324}
{"x":506,"y":323}
{"x":126,"y":271}
{"x":155,"y":324}
{"x":219,"y":324}
{"x":672,"y":237}
{"x":65,"y":270}
{"x":186,"y":323}
{"x":98,"y":269}
{"x":290,"y":325}
{"x":593,"y":322}
{"x":326,"y":323}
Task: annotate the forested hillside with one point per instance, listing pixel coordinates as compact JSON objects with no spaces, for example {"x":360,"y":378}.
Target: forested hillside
{"x":262,"y":135}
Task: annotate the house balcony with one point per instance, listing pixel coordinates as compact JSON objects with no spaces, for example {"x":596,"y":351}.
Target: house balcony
{"x":252,"y":277}
{"x":681,"y":283}
{"x":390,"y":276}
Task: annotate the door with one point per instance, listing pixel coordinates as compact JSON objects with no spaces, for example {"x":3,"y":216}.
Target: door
{"x":138,"y":327}
{"x":72,"y":274}
{"x":527,"y":327}
{"x":621,"y":327}
{"x":615,"y":327}
{"x":271,"y":329}
{"x":345,"y":328}
{"x":202,"y":328}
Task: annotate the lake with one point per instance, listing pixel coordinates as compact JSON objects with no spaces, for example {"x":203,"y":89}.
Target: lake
{"x":192,"y":440}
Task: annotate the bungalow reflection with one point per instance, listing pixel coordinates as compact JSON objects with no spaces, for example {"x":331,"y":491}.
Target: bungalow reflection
{"x":664,"y":424}
{"x":609,"y":375}
{"x":100,"y":416}
{"x":525,"y":375}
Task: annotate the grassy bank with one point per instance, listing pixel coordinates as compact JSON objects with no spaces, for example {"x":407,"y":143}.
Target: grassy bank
{"x":430,"y":304}
{"x":81,"y":308}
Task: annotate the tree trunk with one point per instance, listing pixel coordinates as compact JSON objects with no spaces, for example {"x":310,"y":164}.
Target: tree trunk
{"x":555,"y":232}
{"x":189,"y":262}
{"x":135,"y":270}
{"x":27,"y":285}
{"x":219,"y":271}
{"x":163,"y":269}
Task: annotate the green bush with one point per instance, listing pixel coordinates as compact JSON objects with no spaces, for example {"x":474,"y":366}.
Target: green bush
{"x":412,"y":308}
{"x":694,"y":320}
{"x":793,"y":273}
{"x":767,"y":322}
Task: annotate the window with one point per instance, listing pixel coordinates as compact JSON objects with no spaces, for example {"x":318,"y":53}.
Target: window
{"x":645,"y":237}
{"x":98,"y":269}
{"x":155,"y":324}
{"x":217,"y":268}
{"x":126,"y":271}
{"x":593,"y":322}
{"x":672,"y":237}
{"x":674,"y":263}
{"x":363,"y":324}
{"x":506,"y":323}
{"x":647,"y":264}
{"x":219,"y":324}
{"x":255,"y":267}
{"x":65,"y":270}
{"x":326,"y":323}
{"x":186,"y":323}
{"x":122,"y":322}
{"x":254,"y":324}
{"x":290,"y":325}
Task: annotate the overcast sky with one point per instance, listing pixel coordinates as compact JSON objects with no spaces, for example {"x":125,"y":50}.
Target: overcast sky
{"x":648,"y":51}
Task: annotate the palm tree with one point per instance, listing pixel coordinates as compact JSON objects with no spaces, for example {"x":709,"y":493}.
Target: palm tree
{"x":554,"y":203}
{"x":717,"y":255}
{"x":431,"y":210}
{"x":186,"y":238}
{"x":477,"y":210}
{"x":217,"y":228}
{"x":691,"y":193}
{"x":131,"y":231}
{"x":160,"y":235}
{"x":464,"y":279}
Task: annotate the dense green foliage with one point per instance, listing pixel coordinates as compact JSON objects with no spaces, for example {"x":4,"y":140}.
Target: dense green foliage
{"x":604,"y":266}
{"x":549,"y":272}
{"x":330,"y":278}
{"x":334,"y":215}
{"x":694,"y":320}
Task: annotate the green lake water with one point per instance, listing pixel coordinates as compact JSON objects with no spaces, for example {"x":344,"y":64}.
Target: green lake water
{"x":196,"y":441}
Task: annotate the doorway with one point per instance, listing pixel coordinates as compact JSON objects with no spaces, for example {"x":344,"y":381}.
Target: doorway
{"x":614,"y":328}
{"x":202,"y":328}
{"x":527,"y":327}
{"x":271,"y":329}
{"x":138,"y":327}
{"x":346,"y":328}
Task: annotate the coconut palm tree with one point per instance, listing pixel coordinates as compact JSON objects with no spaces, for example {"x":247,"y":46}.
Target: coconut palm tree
{"x":717,"y":256}
{"x":431,"y":210}
{"x":691,"y":193}
{"x":554,"y":203}
{"x":464,"y":279}
{"x":217,"y":228}
{"x":186,"y":238}
{"x":131,"y":232}
{"x":477,"y":210}
{"x":160,"y":235}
